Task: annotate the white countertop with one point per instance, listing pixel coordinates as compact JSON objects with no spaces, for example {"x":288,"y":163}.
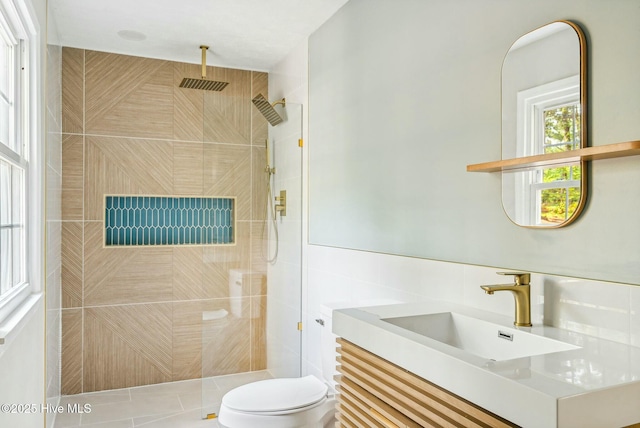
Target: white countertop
{"x":596,"y":385}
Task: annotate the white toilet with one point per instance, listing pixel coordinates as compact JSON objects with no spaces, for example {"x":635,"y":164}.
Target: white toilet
{"x":305,"y":402}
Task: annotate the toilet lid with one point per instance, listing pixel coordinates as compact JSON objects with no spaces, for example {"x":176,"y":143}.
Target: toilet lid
{"x":275,"y":395}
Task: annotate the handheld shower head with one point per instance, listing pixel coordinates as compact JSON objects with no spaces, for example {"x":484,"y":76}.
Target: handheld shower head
{"x":267,"y":110}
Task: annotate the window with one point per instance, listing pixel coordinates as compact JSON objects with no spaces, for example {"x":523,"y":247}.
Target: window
{"x":557,"y":190}
{"x":12,"y":227}
{"x":15,"y":172}
{"x":549,"y":122}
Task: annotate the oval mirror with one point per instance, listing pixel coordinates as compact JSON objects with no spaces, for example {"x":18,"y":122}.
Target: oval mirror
{"x":543,"y":111}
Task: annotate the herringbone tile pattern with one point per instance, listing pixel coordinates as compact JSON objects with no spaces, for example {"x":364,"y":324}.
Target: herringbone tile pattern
{"x":71,"y":351}
{"x":188,"y":105}
{"x":135,"y":316}
{"x":117,"y":338}
{"x":227,"y":114}
{"x":72,"y":263}
{"x":72,"y":176}
{"x":120,"y":88}
{"x":73,"y":91}
{"x":227,"y":171}
{"x":120,"y":166}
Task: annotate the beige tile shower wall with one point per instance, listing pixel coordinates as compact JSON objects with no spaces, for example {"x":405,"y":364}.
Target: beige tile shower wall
{"x":134,"y":316}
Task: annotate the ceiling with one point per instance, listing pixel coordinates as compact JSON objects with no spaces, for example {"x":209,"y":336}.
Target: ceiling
{"x":245,"y":34}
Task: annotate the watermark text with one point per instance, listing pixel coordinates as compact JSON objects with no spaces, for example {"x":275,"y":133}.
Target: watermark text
{"x":44,"y":408}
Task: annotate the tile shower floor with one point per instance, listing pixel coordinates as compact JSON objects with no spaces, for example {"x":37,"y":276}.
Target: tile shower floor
{"x":173,"y":404}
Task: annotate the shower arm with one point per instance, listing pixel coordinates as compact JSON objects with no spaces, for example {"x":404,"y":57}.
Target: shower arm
{"x":204,"y":61}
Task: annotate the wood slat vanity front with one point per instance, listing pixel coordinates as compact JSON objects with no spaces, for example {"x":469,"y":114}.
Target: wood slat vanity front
{"x":373,"y":392}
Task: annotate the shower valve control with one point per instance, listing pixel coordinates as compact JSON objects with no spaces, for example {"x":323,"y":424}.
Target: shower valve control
{"x":281,"y":206}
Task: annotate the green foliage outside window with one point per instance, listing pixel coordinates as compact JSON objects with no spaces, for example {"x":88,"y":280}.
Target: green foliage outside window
{"x":562,"y":133}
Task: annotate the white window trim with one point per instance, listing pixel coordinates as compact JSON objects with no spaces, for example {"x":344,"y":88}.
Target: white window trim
{"x":17,"y":305}
{"x":530,"y":103}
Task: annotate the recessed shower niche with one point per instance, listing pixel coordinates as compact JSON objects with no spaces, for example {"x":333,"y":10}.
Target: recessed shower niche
{"x":163,"y":220}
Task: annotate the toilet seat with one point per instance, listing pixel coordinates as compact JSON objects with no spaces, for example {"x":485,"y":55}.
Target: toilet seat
{"x":276,"y":396}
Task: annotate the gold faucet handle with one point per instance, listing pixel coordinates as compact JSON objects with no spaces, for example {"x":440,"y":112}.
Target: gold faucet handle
{"x":520,"y":278}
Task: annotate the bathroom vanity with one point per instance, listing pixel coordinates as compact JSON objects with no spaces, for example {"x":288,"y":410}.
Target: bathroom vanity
{"x":440,"y":364}
{"x":375,"y":392}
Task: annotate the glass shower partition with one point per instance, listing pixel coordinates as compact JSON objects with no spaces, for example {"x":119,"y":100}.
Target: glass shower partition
{"x":252,"y":332}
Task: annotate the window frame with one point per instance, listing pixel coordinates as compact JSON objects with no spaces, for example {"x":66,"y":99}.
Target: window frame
{"x":531,"y":104}
{"x":18,"y":17}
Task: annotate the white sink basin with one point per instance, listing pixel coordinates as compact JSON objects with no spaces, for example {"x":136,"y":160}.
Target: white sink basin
{"x":479,"y":337}
{"x":545,"y":377}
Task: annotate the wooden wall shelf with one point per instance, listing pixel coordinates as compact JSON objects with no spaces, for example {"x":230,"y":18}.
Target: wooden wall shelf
{"x":630,"y":148}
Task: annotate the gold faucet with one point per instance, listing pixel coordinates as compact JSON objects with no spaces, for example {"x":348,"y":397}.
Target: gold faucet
{"x":521,"y":293}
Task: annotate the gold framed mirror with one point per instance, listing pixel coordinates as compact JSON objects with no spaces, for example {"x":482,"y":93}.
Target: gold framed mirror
{"x":544,"y":106}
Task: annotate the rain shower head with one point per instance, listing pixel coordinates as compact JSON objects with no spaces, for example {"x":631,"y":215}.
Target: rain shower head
{"x":204,"y":84}
{"x":267,"y":110}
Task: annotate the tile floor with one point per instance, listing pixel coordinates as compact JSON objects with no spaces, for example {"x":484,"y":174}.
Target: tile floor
{"x":166,"y":405}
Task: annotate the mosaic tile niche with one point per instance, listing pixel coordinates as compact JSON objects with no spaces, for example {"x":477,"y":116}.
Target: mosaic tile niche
{"x":158,"y":220}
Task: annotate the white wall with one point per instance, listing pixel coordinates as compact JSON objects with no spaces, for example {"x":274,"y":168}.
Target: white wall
{"x":603,"y":309}
{"x":22,"y":360}
{"x":405,"y":94}
{"x":22,"y":371}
